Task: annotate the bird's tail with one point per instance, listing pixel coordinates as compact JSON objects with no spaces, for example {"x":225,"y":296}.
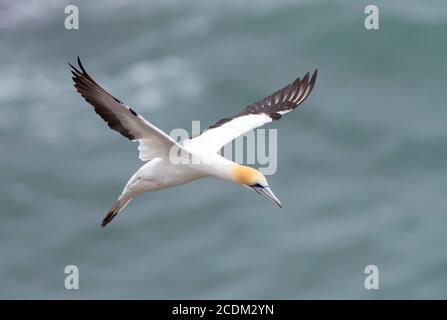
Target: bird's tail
{"x":119,"y":205}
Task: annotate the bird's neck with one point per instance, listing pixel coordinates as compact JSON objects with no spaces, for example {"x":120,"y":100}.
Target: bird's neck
{"x":244,"y":175}
{"x":235,"y":172}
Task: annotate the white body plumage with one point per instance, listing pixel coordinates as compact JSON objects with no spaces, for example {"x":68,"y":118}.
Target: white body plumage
{"x":171,"y":164}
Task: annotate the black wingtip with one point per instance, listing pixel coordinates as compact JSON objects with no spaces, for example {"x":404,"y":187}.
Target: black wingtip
{"x":314,"y":78}
{"x":109,"y":217}
{"x":80,"y":65}
{"x":297,"y":81}
{"x":74,"y":68}
{"x":306,"y":77}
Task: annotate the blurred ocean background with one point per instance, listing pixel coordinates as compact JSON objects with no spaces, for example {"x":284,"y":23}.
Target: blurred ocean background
{"x":362,"y":165}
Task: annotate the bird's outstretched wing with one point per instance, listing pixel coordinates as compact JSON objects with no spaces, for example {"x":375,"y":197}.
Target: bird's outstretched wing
{"x":153,"y":141}
{"x":255,"y":115}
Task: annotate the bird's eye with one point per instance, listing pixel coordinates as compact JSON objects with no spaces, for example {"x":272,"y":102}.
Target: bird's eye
{"x":257,"y":185}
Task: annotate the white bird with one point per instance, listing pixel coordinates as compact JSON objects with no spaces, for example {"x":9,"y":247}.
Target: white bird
{"x":169,"y":163}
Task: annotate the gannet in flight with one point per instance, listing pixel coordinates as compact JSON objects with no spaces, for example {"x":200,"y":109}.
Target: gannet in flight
{"x":155,"y":146}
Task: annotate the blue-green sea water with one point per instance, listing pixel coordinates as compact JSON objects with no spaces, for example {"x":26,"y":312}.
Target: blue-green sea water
{"x":362,"y":164}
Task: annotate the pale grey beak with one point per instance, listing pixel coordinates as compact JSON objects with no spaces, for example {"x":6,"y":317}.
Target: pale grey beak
{"x":265,"y":191}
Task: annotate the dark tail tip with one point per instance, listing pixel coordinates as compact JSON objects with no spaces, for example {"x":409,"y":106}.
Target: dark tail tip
{"x":109,"y":217}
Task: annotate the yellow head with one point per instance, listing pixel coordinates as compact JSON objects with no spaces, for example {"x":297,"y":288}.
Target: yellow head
{"x":248,"y":176}
{"x":254,"y":179}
